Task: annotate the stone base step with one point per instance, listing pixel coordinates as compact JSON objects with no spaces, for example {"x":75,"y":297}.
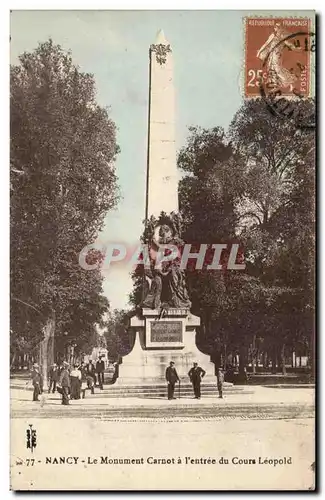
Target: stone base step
{"x":162,"y":394}
{"x":160,"y":391}
{"x":160,"y":384}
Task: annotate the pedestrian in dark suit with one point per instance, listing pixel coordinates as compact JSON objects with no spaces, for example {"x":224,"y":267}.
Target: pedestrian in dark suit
{"x":37,"y":381}
{"x":64,"y":383}
{"x":54,"y":376}
{"x":196,"y":374}
{"x":220,"y":382}
{"x":171,"y":377}
{"x":83,"y":384}
{"x":100,"y":369}
{"x":91,"y":370}
{"x":91,"y":376}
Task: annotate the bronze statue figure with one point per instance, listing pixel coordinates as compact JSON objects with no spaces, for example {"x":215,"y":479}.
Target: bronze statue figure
{"x":165,"y":286}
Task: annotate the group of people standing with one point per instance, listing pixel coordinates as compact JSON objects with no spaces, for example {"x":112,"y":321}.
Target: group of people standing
{"x":196,"y":375}
{"x":71,"y":383}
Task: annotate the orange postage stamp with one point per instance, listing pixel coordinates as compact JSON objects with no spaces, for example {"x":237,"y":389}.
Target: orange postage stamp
{"x":278,"y":55}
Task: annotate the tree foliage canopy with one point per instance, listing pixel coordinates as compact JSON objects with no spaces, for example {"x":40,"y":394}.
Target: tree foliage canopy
{"x":253,"y":185}
{"x":63,"y":182}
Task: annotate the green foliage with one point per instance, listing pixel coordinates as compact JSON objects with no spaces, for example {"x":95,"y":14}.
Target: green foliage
{"x":116,"y":334}
{"x":209,"y":192}
{"x":254,"y":185}
{"x":63,"y":183}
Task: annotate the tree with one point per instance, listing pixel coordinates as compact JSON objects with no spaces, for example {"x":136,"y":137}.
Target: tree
{"x":63,"y":182}
{"x":210,"y":189}
{"x":272,"y":150}
{"x":116,"y":334}
{"x":252,"y":186}
{"x":209,"y":194}
{"x":277,"y":211}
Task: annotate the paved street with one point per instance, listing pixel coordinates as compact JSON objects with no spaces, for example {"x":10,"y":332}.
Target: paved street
{"x":264,"y":425}
{"x":259,"y":403}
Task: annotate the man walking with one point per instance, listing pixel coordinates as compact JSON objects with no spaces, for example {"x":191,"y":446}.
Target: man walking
{"x":64,"y":382}
{"x":220,"y":381}
{"x":83,"y":385}
{"x":91,"y":371}
{"x":196,"y":374}
{"x":37,"y":381}
{"x":100,"y":368}
{"x":53,"y":377}
{"x":171,"y":377}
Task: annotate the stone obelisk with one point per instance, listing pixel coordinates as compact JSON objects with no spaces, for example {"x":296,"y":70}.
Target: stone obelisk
{"x":162,"y":179}
{"x":164,"y":329}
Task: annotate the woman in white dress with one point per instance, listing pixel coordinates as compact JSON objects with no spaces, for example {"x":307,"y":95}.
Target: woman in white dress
{"x":75,"y":381}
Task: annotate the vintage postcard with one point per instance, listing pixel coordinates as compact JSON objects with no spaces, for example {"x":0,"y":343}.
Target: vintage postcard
{"x":162,"y":182}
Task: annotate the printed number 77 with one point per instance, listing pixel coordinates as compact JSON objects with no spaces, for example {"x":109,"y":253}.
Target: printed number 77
{"x":30,"y":461}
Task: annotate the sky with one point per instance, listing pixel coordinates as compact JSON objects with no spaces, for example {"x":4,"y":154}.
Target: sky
{"x":208,"y":51}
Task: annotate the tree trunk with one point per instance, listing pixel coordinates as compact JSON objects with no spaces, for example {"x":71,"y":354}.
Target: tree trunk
{"x":13,"y":360}
{"x":242,"y":363}
{"x":217,"y":360}
{"x":283,"y":361}
{"x":274,"y":360}
{"x":46,"y":351}
{"x":265,"y":360}
{"x":312,"y":357}
{"x":254,"y":355}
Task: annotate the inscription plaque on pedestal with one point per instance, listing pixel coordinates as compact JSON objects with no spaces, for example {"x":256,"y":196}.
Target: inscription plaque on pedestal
{"x":164,"y":333}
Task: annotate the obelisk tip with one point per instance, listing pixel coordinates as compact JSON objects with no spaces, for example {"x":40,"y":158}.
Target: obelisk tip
{"x":161,"y":39}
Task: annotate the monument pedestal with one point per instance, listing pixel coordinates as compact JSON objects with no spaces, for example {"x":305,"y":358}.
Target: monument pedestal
{"x":161,"y":338}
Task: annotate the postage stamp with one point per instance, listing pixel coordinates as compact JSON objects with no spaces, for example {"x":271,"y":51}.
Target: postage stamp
{"x":278,"y":55}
